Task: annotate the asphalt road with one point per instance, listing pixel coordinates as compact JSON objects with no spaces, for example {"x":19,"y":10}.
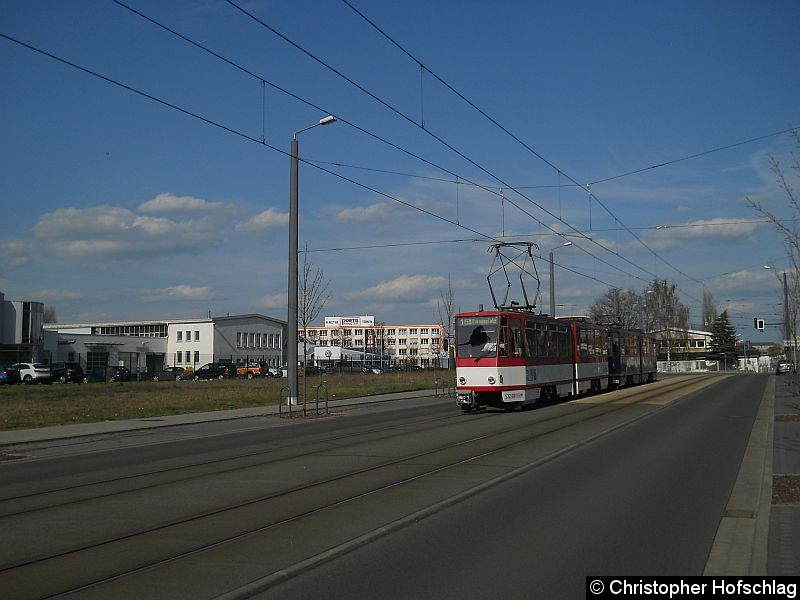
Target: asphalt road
{"x":644,"y":500}
{"x":382,"y":500}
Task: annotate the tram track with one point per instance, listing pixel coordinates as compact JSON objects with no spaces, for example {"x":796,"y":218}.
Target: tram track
{"x":376,"y":472}
{"x":51,"y":498}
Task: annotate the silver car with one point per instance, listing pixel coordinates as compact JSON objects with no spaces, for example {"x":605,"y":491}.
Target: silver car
{"x":783,"y":366}
{"x":33,"y":372}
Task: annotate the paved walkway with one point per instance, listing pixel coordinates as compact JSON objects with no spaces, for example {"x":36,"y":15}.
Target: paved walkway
{"x":784,"y":523}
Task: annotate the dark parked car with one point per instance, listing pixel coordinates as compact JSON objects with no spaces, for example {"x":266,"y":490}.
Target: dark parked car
{"x":119,"y":374}
{"x":216,"y":371}
{"x":68,"y":371}
{"x":170,"y":374}
{"x":8,"y":375}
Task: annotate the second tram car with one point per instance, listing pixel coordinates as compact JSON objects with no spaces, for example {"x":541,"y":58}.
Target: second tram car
{"x":507,"y":359}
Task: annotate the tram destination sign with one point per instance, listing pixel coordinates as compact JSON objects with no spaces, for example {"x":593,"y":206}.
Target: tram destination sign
{"x":475,"y":321}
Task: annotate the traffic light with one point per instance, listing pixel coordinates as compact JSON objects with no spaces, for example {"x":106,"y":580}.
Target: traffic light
{"x":758,"y":323}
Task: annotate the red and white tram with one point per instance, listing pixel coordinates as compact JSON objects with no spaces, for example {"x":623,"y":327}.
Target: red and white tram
{"x":508,"y":359}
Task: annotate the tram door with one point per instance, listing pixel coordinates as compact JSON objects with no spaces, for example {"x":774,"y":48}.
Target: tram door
{"x":511,"y":337}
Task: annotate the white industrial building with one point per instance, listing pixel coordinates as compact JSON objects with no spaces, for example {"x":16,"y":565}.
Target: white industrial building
{"x":151,"y":345}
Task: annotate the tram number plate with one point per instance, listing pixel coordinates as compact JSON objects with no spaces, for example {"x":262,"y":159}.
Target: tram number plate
{"x":514,"y":396}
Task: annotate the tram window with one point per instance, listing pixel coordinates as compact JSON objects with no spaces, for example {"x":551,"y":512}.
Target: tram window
{"x":476,"y":336}
{"x":515,"y":337}
{"x":531,"y":339}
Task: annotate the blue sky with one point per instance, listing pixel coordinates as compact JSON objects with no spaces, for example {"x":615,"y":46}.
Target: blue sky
{"x":117,"y":206}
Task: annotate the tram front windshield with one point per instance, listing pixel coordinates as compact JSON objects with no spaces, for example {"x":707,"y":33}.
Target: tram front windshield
{"x":476,"y":337}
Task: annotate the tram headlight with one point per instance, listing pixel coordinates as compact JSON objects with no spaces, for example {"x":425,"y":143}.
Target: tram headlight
{"x":462,"y":381}
{"x":491,"y":380}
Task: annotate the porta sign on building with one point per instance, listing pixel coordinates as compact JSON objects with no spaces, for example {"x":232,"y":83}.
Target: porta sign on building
{"x":362,"y":321}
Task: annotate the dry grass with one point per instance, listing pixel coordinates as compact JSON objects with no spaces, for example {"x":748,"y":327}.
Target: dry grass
{"x":23,"y":407}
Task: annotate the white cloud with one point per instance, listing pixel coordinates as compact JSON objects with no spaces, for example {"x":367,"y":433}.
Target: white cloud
{"x":56,"y":294}
{"x":169,"y":203}
{"x":14,"y":254}
{"x":180,"y":292}
{"x":720,"y":229}
{"x":119,"y":232}
{"x":382,"y":211}
{"x":274,"y":301}
{"x":405,"y":287}
{"x":264,"y":221}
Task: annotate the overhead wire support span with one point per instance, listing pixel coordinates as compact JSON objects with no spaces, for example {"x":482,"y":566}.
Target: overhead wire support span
{"x":459,"y":153}
{"x":483,"y":236}
{"x":522,"y":143}
{"x":389,"y":143}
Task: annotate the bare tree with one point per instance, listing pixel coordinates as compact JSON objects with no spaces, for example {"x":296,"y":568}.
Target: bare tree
{"x":667,"y":315}
{"x":50,"y":315}
{"x":312,"y":296}
{"x":710,"y":310}
{"x":624,"y":308}
{"x":790,"y":231}
{"x":446,"y":309}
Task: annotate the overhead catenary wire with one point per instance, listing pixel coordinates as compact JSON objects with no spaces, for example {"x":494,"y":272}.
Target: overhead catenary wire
{"x":391,"y":144}
{"x":482,"y":236}
{"x":459,"y":153}
{"x":518,"y":140}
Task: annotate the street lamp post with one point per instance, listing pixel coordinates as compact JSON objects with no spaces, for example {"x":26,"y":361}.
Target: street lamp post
{"x":291,"y":325}
{"x":553,"y":281}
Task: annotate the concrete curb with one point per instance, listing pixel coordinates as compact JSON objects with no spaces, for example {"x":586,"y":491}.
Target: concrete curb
{"x":740,"y":546}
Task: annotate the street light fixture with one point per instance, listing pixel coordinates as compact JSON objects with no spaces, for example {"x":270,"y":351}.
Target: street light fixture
{"x":291,"y":324}
{"x":552,"y":280}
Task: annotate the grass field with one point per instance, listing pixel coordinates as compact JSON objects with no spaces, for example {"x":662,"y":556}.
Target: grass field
{"x":28,"y":406}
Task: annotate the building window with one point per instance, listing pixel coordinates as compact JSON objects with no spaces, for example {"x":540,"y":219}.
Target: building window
{"x":196,"y":356}
{"x":196,"y":336}
{"x":178,"y":356}
{"x":188,"y":356}
{"x":180,"y":336}
{"x":188,"y":337}
{"x":252,"y":340}
{"x":238,"y":339}
{"x":412,"y":331}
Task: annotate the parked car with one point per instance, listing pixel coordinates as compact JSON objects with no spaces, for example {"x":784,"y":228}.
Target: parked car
{"x":8,"y":375}
{"x":170,"y":374}
{"x":68,"y":371}
{"x":119,"y":374}
{"x":250,"y":370}
{"x":783,"y":367}
{"x":215,"y":371}
{"x":33,"y":372}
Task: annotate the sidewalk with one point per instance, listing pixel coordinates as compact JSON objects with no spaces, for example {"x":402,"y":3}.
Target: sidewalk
{"x":22,"y":436}
{"x":784,"y":524}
